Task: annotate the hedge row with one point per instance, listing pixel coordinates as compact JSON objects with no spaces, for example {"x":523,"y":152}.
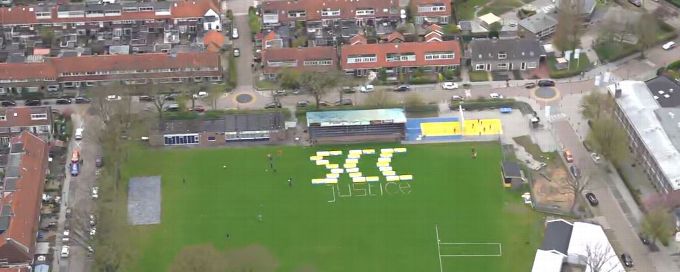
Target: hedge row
{"x":484,"y":104}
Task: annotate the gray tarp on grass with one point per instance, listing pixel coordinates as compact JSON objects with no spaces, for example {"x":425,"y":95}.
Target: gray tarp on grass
{"x":144,"y":200}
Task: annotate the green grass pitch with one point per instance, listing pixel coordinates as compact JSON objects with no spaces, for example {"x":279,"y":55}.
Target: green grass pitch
{"x":390,"y":229}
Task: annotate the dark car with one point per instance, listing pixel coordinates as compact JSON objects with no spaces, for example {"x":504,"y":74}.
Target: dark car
{"x":63,"y":101}
{"x":348,"y":89}
{"x":592,"y":199}
{"x":344,"y":102}
{"x":575,"y":171}
{"x":636,"y":3}
{"x":8,"y":103}
{"x":82,"y":100}
{"x":272,"y":105}
{"x":32,"y":102}
{"x":75,"y":169}
{"x":546,"y":83}
{"x":99,"y":162}
{"x":627,"y":260}
{"x":643,"y":238}
{"x":529,"y":85}
{"x":402,"y":88}
{"x":145,"y":98}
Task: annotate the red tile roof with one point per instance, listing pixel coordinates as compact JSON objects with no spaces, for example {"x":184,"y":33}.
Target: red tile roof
{"x":213,"y":41}
{"x":17,"y":243}
{"x":313,"y":8}
{"x":16,"y":269}
{"x":416,"y":3}
{"x":395,"y":36}
{"x":300,"y":55}
{"x":21,"y":116}
{"x":54,"y":67}
{"x":382,"y":49}
{"x":179,"y":10}
{"x":358,"y":39}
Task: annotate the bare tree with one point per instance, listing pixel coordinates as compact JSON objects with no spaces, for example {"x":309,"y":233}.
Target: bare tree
{"x":318,"y":84}
{"x":597,"y":105}
{"x":214,"y":94}
{"x":647,"y":29}
{"x":379,"y":98}
{"x":569,"y":24}
{"x":157,"y":94}
{"x":576,"y":185}
{"x":597,"y":256}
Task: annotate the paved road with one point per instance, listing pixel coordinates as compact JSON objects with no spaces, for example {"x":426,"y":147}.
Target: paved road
{"x":623,"y":230}
{"x":244,"y":42}
{"x":76,"y":195}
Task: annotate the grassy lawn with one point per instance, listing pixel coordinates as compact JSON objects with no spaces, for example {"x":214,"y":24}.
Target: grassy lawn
{"x":479,"y":75}
{"x":266,"y":85}
{"x":575,"y":67}
{"x":611,"y":51}
{"x":499,"y":7}
{"x":534,"y":149}
{"x":382,"y":226}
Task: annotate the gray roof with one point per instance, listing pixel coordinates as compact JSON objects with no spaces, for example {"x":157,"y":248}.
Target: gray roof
{"x":511,"y":169}
{"x":516,"y":49}
{"x":538,"y":22}
{"x":355,"y":117}
{"x":557,"y":236}
{"x":670,"y":122}
{"x":665,"y":90}
{"x":227,"y":123}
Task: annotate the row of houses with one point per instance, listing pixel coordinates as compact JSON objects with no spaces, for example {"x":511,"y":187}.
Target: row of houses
{"x":74,"y":72}
{"x":434,"y":55}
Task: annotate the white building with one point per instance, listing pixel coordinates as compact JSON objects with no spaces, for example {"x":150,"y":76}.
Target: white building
{"x":211,"y":21}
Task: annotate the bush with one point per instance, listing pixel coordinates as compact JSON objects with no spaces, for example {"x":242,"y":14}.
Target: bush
{"x":479,"y":76}
{"x":422,"y":80}
{"x":483,"y":104}
{"x":232,"y":81}
{"x":674,"y":65}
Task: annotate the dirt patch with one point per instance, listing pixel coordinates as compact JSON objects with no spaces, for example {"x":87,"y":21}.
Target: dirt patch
{"x":550,"y":188}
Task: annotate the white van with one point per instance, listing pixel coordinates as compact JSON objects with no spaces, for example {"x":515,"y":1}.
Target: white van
{"x":79,"y":133}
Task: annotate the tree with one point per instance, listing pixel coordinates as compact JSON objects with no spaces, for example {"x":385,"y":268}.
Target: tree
{"x":157,"y":94}
{"x":494,"y":29}
{"x":569,"y":24}
{"x":576,"y":186}
{"x":647,"y":29}
{"x":658,"y":224}
{"x":610,"y":139}
{"x":379,"y":98}
{"x":596,"y":105}
{"x":289,"y":79}
{"x":318,"y":84}
{"x":597,"y":255}
{"x":214,"y":94}
{"x":199,"y":258}
{"x":46,"y":35}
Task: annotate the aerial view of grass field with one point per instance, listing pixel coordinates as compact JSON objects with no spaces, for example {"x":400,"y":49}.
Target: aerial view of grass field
{"x":451,"y":214}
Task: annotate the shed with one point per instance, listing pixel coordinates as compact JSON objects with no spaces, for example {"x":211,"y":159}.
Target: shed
{"x":512,"y":174}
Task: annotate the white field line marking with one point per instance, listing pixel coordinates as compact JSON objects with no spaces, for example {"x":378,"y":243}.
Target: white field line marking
{"x":500,"y":250}
{"x":439,"y":252}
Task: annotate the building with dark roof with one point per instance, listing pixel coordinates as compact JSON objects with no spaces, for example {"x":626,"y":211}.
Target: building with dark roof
{"x":356,"y":125}
{"x":21,"y":199}
{"x":512,"y":174}
{"x":228,"y":128}
{"x":557,"y":236}
{"x":665,"y":90}
{"x":505,"y":54}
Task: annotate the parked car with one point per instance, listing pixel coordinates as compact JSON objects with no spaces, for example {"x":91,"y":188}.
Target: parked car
{"x":65,"y":251}
{"x":592,"y":199}
{"x":568,"y":156}
{"x":63,"y":101}
{"x":99,"y":161}
{"x":669,"y":45}
{"x":344,"y":102}
{"x":627,"y":260}
{"x":145,"y":98}
{"x":596,"y":157}
{"x":170,"y":97}
{"x":449,"y":85}
{"x":236,"y":52}
{"x":529,"y":85}
{"x":75,"y":169}
{"x":171,"y":107}
{"x":347,"y":89}
{"x":546,"y":83}
{"x":93,"y":231}
{"x":200,"y":95}
{"x":272,"y":105}
{"x":323,"y":103}
{"x":402,"y":88}
{"x":495,"y":96}
{"x":32,"y":102}
{"x":302,"y":103}
{"x":66,"y":236}
{"x":636,"y":3}
{"x":575,"y":171}
{"x":79,"y":133}
{"x":95,"y":192}
{"x":234,"y":33}
{"x":457,"y":98}
{"x":113,"y":97}
{"x":8,"y":103}
{"x":367,"y":88}
{"x":644,"y":238}
{"x":93,"y":220}
{"x":82,"y":100}
{"x":197,"y":108}
{"x":280,"y":93}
